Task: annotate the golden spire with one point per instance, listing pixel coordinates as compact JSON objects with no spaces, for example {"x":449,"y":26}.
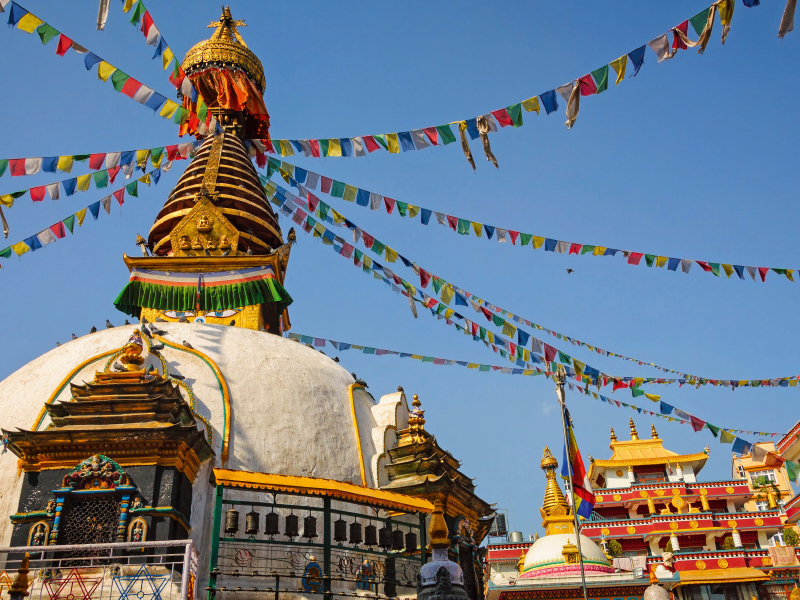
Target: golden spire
{"x":226,"y":27}
{"x":20,"y":586}
{"x":416,"y":418}
{"x":634,"y":435}
{"x":554,"y":502}
{"x":437,"y":530}
{"x":653,"y":432}
{"x":613,"y":435}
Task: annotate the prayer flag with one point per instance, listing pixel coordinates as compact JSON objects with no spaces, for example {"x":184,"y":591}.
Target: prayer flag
{"x":619,"y":66}
{"x":637,"y":58}
{"x":583,"y":497}
{"x":601,"y":79}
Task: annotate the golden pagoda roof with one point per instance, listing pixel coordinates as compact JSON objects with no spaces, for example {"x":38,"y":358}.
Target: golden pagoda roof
{"x":225,"y":48}
{"x":224,"y":179}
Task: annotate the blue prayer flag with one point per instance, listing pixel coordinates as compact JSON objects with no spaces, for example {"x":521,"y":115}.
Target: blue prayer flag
{"x":127,"y":157}
{"x":549,"y":101}
{"x":550,"y":245}
{"x":610,"y":252}
{"x":665,"y":409}
{"x":460,"y":300}
{"x":95,"y":210}
{"x":155,"y":101}
{"x":472,"y":128}
{"x":17,"y":12}
{"x":637,"y":58}
{"x":156,"y":174}
{"x":673,"y":263}
{"x":91,"y":60}
{"x":741,"y":446}
{"x":300,"y":174}
{"x":162,"y":45}
{"x":49,"y":164}
{"x":489,"y":231}
{"x":362,"y":198}
{"x":406,"y":143}
{"x":523,"y":337}
{"x":69,"y":186}
{"x":347,"y":147}
{"x":33,"y":241}
{"x":739,"y":271}
{"x":425,"y":215}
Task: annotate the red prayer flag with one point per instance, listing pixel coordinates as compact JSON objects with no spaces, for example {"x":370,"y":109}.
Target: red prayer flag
{"x":514,"y":235}
{"x":17,"y":167}
{"x":513,"y":348}
{"x":132,"y":86}
{"x":424,"y":278}
{"x":172,"y":152}
{"x":314,"y":148}
{"x":313,"y":201}
{"x":58,"y":229}
{"x":368,"y":239}
{"x":549,"y":353}
{"x":120,"y":196}
{"x":634,"y":258}
{"x":177,"y":76}
{"x":64,"y":44}
{"x":389,"y":203}
{"x":453,"y":222}
{"x":588,"y":86}
{"x":112,"y":173}
{"x":703,"y":265}
{"x":677,"y":42}
{"x":486,"y":313}
{"x":432,"y":134}
{"x":372,"y":145}
{"x":347,"y":250}
{"x":621,"y":385}
{"x":325,"y":188}
{"x":96,"y":161}
{"x":267,"y":142}
{"x":147,"y":22}
{"x":261,"y":160}
{"x":502,"y":117}
{"x":696,"y":423}
{"x":575,"y":248}
{"x":474,"y":328}
{"x":37,"y":193}
{"x":763,"y":272}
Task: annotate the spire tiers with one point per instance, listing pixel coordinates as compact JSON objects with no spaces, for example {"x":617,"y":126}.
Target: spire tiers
{"x":653,"y":432}
{"x":634,"y":435}
{"x":613,"y":435}
{"x":555,"y":512}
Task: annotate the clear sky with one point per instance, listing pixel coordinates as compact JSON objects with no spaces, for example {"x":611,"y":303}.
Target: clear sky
{"x":695,"y":158}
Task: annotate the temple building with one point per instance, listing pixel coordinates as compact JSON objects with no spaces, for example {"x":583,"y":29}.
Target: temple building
{"x":650,"y":505}
{"x":156,"y":437}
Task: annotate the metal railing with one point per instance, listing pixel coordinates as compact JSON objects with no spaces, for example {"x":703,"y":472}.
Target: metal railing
{"x":164,"y":570}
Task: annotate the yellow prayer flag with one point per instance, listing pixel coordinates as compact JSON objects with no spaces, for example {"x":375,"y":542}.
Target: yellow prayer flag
{"x":473,"y":365}
{"x":288,"y":168}
{"x":661,"y":261}
{"x":528,"y":372}
{"x":65,"y":164}
{"x":128,"y":5}
{"x":141,"y":158}
{"x":81,"y":214}
{"x":728,"y":269}
{"x":145,"y":179}
{"x":286,"y":148}
{"x":793,"y":383}
{"x":168,"y":110}
{"x":413,"y":211}
{"x":449,"y":313}
{"x":156,"y":161}
{"x":391,"y":255}
{"x":20,"y":248}
{"x":29,"y":23}
{"x":83,"y":182}
{"x":368,"y":262}
{"x":477,"y":228}
{"x":579,"y":366}
{"x":394,"y":145}
{"x":490,"y":337}
{"x":538,"y":242}
{"x":417,"y":356}
{"x":619,"y":66}
{"x":7,"y":200}
{"x":334,"y":147}
{"x":509,"y":329}
{"x":726,"y":11}
{"x":599,"y":250}
{"x":526,"y":355}
{"x":166,"y":58}
{"x":637,"y":382}
{"x":337,"y":217}
{"x":350,"y":193}
{"x":789,"y":273}
{"x":447,"y":294}
{"x":653,"y":397}
{"x":105,"y":70}
{"x":531,"y":104}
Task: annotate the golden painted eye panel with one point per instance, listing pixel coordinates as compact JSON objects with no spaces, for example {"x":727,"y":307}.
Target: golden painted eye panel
{"x":222,"y":314}
{"x":177,"y":314}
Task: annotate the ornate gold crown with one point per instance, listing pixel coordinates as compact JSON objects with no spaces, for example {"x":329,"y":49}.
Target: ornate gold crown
{"x":225,"y":48}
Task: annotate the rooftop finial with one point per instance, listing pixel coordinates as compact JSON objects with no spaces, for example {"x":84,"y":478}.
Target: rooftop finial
{"x":416,"y":418}
{"x":554,"y":502}
{"x":653,"y":432}
{"x":613,"y":435}
{"x":634,"y":435}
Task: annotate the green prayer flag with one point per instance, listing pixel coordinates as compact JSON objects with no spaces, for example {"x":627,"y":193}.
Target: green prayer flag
{"x":699,"y":21}
{"x":202,"y":112}
{"x":463,"y":226}
{"x":133,"y":189}
{"x":381,"y":139}
{"x":402,"y":208}
{"x":446,"y":134}
{"x":323,"y":146}
{"x":498,"y":320}
{"x":5,"y":253}
{"x":137,"y":12}
{"x":3,"y":166}
{"x":650,"y":259}
{"x":484,"y":368}
{"x":525,"y":239}
{"x":69,"y":222}
{"x":118,"y":80}
{"x":714,"y":268}
{"x":47,"y":33}
{"x":81,"y":157}
{"x":323,"y":210}
{"x":437,"y":284}
{"x":515,"y":112}
{"x":564,"y":358}
{"x":714,"y":429}
{"x":100,"y":179}
{"x":482,"y":332}
{"x":725,"y":437}
{"x":427,"y":359}
{"x":791,"y":467}
{"x":378,"y":247}
{"x":601,"y":79}
{"x":337,"y":189}
{"x":273,"y":164}
{"x":180,"y":116}
{"x":635,"y":392}
{"x":585,"y":249}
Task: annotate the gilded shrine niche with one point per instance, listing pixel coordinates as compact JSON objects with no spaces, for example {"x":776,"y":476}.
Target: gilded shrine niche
{"x":204,"y":231}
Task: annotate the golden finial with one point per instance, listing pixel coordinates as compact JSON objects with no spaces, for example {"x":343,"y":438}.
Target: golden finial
{"x":226,"y":26}
{"x":634,"y":435}
{"x":416,"y":418}
{"x":20,"y":586}
{"x":554,"y":502}
{"x":437,"y":530}
{"x":415,"y":402}
{"x":548,"y":462}
{"x":613,"y":435}
{"x":653,"y":432}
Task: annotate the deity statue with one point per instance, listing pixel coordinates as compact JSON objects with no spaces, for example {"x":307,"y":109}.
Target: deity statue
{"x":138,"y":532}
{"x":51,"y":507}
{"x":132,"y":352}
{"x":443,"y":583}
{"x":210,"y":245}
{"x":204,"y":223}
{"x":224,"y":243}
{"x":183,"y":243}
{"x":197,"y":243}
{"x":38,"y":536}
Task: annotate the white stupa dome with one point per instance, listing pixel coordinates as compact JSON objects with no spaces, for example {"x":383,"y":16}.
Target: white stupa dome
{"x":545,"y":559}
{"x":290,"y":409}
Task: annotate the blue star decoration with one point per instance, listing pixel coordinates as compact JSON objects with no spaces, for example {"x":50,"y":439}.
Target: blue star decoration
{"x":142,"y":586}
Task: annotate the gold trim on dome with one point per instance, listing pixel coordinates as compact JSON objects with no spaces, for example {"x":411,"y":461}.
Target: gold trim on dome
{"x":212,"y":164}
{"x":631,"y":529}
{"x":351,"y":389}
{"x":759,"y":521}
{"x":700,"y":564}
{"x":729,"y":489}
{"x":722,"y":563}
{"x":605,"y":531}
{"x":617,"y":497}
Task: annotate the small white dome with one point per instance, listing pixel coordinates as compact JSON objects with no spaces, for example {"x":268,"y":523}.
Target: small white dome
{"x":545,"y":559}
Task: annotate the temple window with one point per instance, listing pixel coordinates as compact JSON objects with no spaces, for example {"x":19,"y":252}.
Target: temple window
{"x":759,"y":477}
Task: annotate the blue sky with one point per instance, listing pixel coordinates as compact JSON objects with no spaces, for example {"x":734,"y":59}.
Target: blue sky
{"x":694,"y":158}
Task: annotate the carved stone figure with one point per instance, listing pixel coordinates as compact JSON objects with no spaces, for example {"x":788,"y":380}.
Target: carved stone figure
{"x":38,"y":536}
{"x":138,"y":532}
